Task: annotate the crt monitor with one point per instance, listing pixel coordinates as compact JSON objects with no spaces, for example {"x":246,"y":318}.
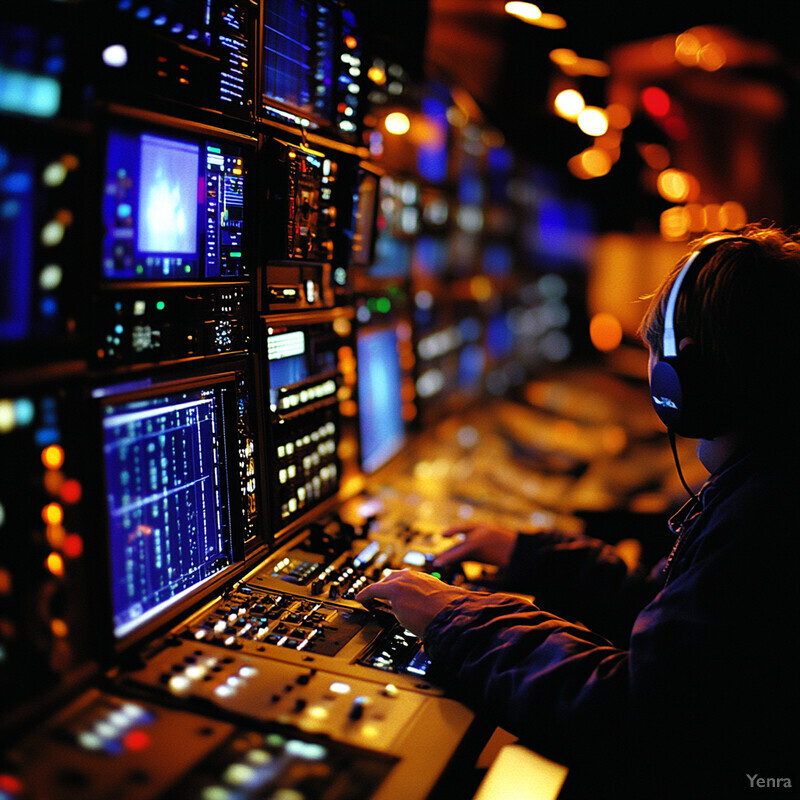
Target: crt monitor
{"x":381,"y":426}
{"x":174,"y":522}
{"x":173,"y":206}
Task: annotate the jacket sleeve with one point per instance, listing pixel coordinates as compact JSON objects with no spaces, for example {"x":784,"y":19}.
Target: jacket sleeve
{"x":560,"y":688}
{"x":580,"y":578}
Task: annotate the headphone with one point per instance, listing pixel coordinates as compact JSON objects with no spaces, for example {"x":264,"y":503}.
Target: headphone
{"x":680,"y":388}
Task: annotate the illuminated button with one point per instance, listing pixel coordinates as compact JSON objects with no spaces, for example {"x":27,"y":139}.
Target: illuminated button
{"x":52,"y":233}
{"x":195,"y":672}
{"x":178,"y":684}
{"x":136,"y":740}
{"x":248,"y":672}
{"x":239,"y":775}
{"x":224,"y":691}
{"x":105,"y":730}
{"x":258,"y":756}
{"x":133,"y":712}
{"x":216,"y":793}
{"x":318,"y":712}
{"x":390,"y":690}
{"x":115,"y":55}
{"x":339,"y":687}
{"x":308,"y":751}
{"x":90,"y":741}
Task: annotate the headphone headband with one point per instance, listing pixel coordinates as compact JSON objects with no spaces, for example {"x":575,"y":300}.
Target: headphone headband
{"x":669,"y":346}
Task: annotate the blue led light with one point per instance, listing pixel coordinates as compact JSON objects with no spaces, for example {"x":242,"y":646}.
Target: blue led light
{"x":48,"y":307}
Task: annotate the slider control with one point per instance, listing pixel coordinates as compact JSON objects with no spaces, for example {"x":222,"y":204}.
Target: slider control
{"x":357,"y":709}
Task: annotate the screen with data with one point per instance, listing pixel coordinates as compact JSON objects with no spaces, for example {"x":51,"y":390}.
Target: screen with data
{"x":169,"y":460}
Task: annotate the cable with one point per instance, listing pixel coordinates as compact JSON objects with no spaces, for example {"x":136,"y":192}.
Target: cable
{"x":671,"y":435}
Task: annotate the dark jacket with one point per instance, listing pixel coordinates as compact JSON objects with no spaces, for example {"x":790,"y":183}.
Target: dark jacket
{"x":684,"y":683}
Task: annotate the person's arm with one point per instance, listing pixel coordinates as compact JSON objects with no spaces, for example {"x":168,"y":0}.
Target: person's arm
{"x":574,"y":576}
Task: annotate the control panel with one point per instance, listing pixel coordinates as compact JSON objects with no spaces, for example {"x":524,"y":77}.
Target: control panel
{"x":201,"y":55}
{"x":106,"y":745}
{"x":146,"y":324}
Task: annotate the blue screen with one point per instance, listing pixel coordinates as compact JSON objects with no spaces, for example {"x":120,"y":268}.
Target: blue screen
{"x":379,"y":402}
{"x":288,"y":53}
{"x":169,"y":515}
{"x":16,"y":245}
{"x":173,"y":208}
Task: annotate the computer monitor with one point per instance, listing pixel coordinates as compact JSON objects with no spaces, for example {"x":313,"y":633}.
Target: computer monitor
{"x":174,"y":522}
{"x":381,"y":426}
{"x":173,"y":206}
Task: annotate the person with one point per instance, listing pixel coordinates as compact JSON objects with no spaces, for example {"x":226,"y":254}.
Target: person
{"x":680,"y":682}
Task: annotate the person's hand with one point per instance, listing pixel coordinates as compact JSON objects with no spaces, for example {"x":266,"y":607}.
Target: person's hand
{"x":414,"y":597}
{"x":487,"y":543}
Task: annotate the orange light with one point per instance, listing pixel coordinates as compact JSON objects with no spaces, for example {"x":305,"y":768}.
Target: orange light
{"x":59,"y":628}
{"x":593,"y":121}
{"x":677,"y":186}
{"x":53,"y":481}
{"x":619,"y":116}
{"x":481,"y":288}
{"x":377,"y":75}
{"x":351,"y":42}
{"x":605,"y":331}
{"x":348,"y":408}
{"x":53,"y":514}
{"x":674,"y":224}
{"x":55,"y":564}
{"x":56,"y":536}
{"x":70,"y":161}
{"x":53,"y":457}
{"x":569,"y":103}
{"x":397,"y":123}
{"x":732,"y":215}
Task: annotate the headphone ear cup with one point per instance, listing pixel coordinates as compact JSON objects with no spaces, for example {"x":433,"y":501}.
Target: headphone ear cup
{"x":667,"y":393}
{"x":682,"y":396}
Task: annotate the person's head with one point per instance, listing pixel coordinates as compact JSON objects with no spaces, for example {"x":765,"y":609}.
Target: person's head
{"x":737,"y":329}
